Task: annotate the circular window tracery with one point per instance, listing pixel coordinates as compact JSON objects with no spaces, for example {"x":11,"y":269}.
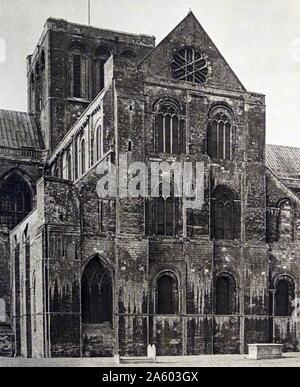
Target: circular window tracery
{"x":190,"y":65}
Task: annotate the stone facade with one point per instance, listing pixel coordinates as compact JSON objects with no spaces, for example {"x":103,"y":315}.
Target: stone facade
{"x":96,"y":277}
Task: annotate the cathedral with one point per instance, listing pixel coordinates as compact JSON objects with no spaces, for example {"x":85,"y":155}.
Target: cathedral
{"x":87,"y":276}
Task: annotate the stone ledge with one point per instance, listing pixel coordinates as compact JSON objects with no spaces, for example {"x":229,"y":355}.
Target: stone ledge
{"x":265,"y":351}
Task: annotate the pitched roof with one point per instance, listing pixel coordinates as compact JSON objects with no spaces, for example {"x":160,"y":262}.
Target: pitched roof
{"x":19,"y":130}
{"x":284,"y":161}
{"x":197,"y":36}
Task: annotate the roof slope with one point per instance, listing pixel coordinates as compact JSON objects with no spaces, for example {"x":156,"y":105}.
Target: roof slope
{"x":189,"y":32}
{"x":284,"y":161}
{"x":19,"y":130}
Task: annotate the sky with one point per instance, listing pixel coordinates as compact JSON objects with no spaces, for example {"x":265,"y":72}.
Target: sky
{"x":260,"y":39}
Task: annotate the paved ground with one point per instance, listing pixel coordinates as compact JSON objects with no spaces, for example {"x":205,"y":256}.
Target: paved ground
{"x":289,"y":360}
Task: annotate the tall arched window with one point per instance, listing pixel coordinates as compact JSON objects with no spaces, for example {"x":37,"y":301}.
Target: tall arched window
{"x":225,"y":216}
{"x":16,"y":200}
{"x":101,"y":57}
{"x":284,"y":296}
{"x":69,"y":166}
{"x":225,"y":295}
{"x":219,"y":134}
{"x":286,"y":220}
{"x":79,"y":73}
{"x":169,"y":128}
{"x":76,"y":70}
{"x":82,"y":156}
{"x":165,"y":214}
{"x":96,"y":293}
{"x":99,"y":142}
{"x":167,"y":294}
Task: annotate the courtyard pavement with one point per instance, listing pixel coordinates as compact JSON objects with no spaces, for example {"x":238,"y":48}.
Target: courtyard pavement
{"x":289,"y":360}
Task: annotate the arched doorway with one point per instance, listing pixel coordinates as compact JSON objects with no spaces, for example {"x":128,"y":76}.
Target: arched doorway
{"x":97,"y":309}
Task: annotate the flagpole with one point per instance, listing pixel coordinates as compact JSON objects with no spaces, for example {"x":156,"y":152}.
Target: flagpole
{"x":89,"y":12}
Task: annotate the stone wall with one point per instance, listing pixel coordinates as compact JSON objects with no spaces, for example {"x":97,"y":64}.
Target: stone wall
{"x":73,"y":225}
{"x":284,"y":255}
{"x":13,"y":161}
{"x":59,"y":110}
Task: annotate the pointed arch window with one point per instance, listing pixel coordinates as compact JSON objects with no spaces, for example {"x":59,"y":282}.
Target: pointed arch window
{"x":169,"y":129}
{"x":96,"y":294}
{"x":167,"y":294}
{"x":225,"y":215}
{"x":219,"y":134}
{"x":165,"y":214}
{"x":16,"y":200}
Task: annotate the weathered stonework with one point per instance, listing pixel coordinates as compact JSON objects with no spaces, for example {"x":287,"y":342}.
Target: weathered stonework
{"x":48,"y":253}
